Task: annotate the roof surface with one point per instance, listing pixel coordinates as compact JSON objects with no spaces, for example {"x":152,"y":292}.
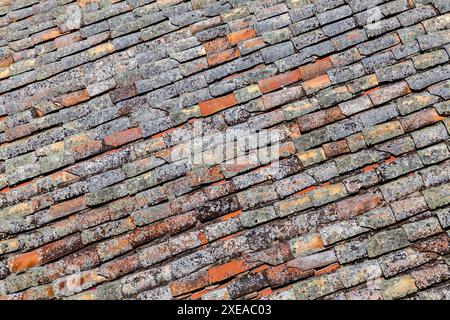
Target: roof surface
{"x":224,"y":149}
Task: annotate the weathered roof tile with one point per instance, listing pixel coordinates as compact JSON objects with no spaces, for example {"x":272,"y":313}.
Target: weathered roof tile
{"x":279,"y":149}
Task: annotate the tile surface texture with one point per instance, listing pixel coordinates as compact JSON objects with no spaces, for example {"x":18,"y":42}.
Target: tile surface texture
{"x":224,"y":149}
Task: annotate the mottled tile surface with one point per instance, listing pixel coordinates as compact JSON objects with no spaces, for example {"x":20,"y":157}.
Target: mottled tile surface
{"x":212,"y":149}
